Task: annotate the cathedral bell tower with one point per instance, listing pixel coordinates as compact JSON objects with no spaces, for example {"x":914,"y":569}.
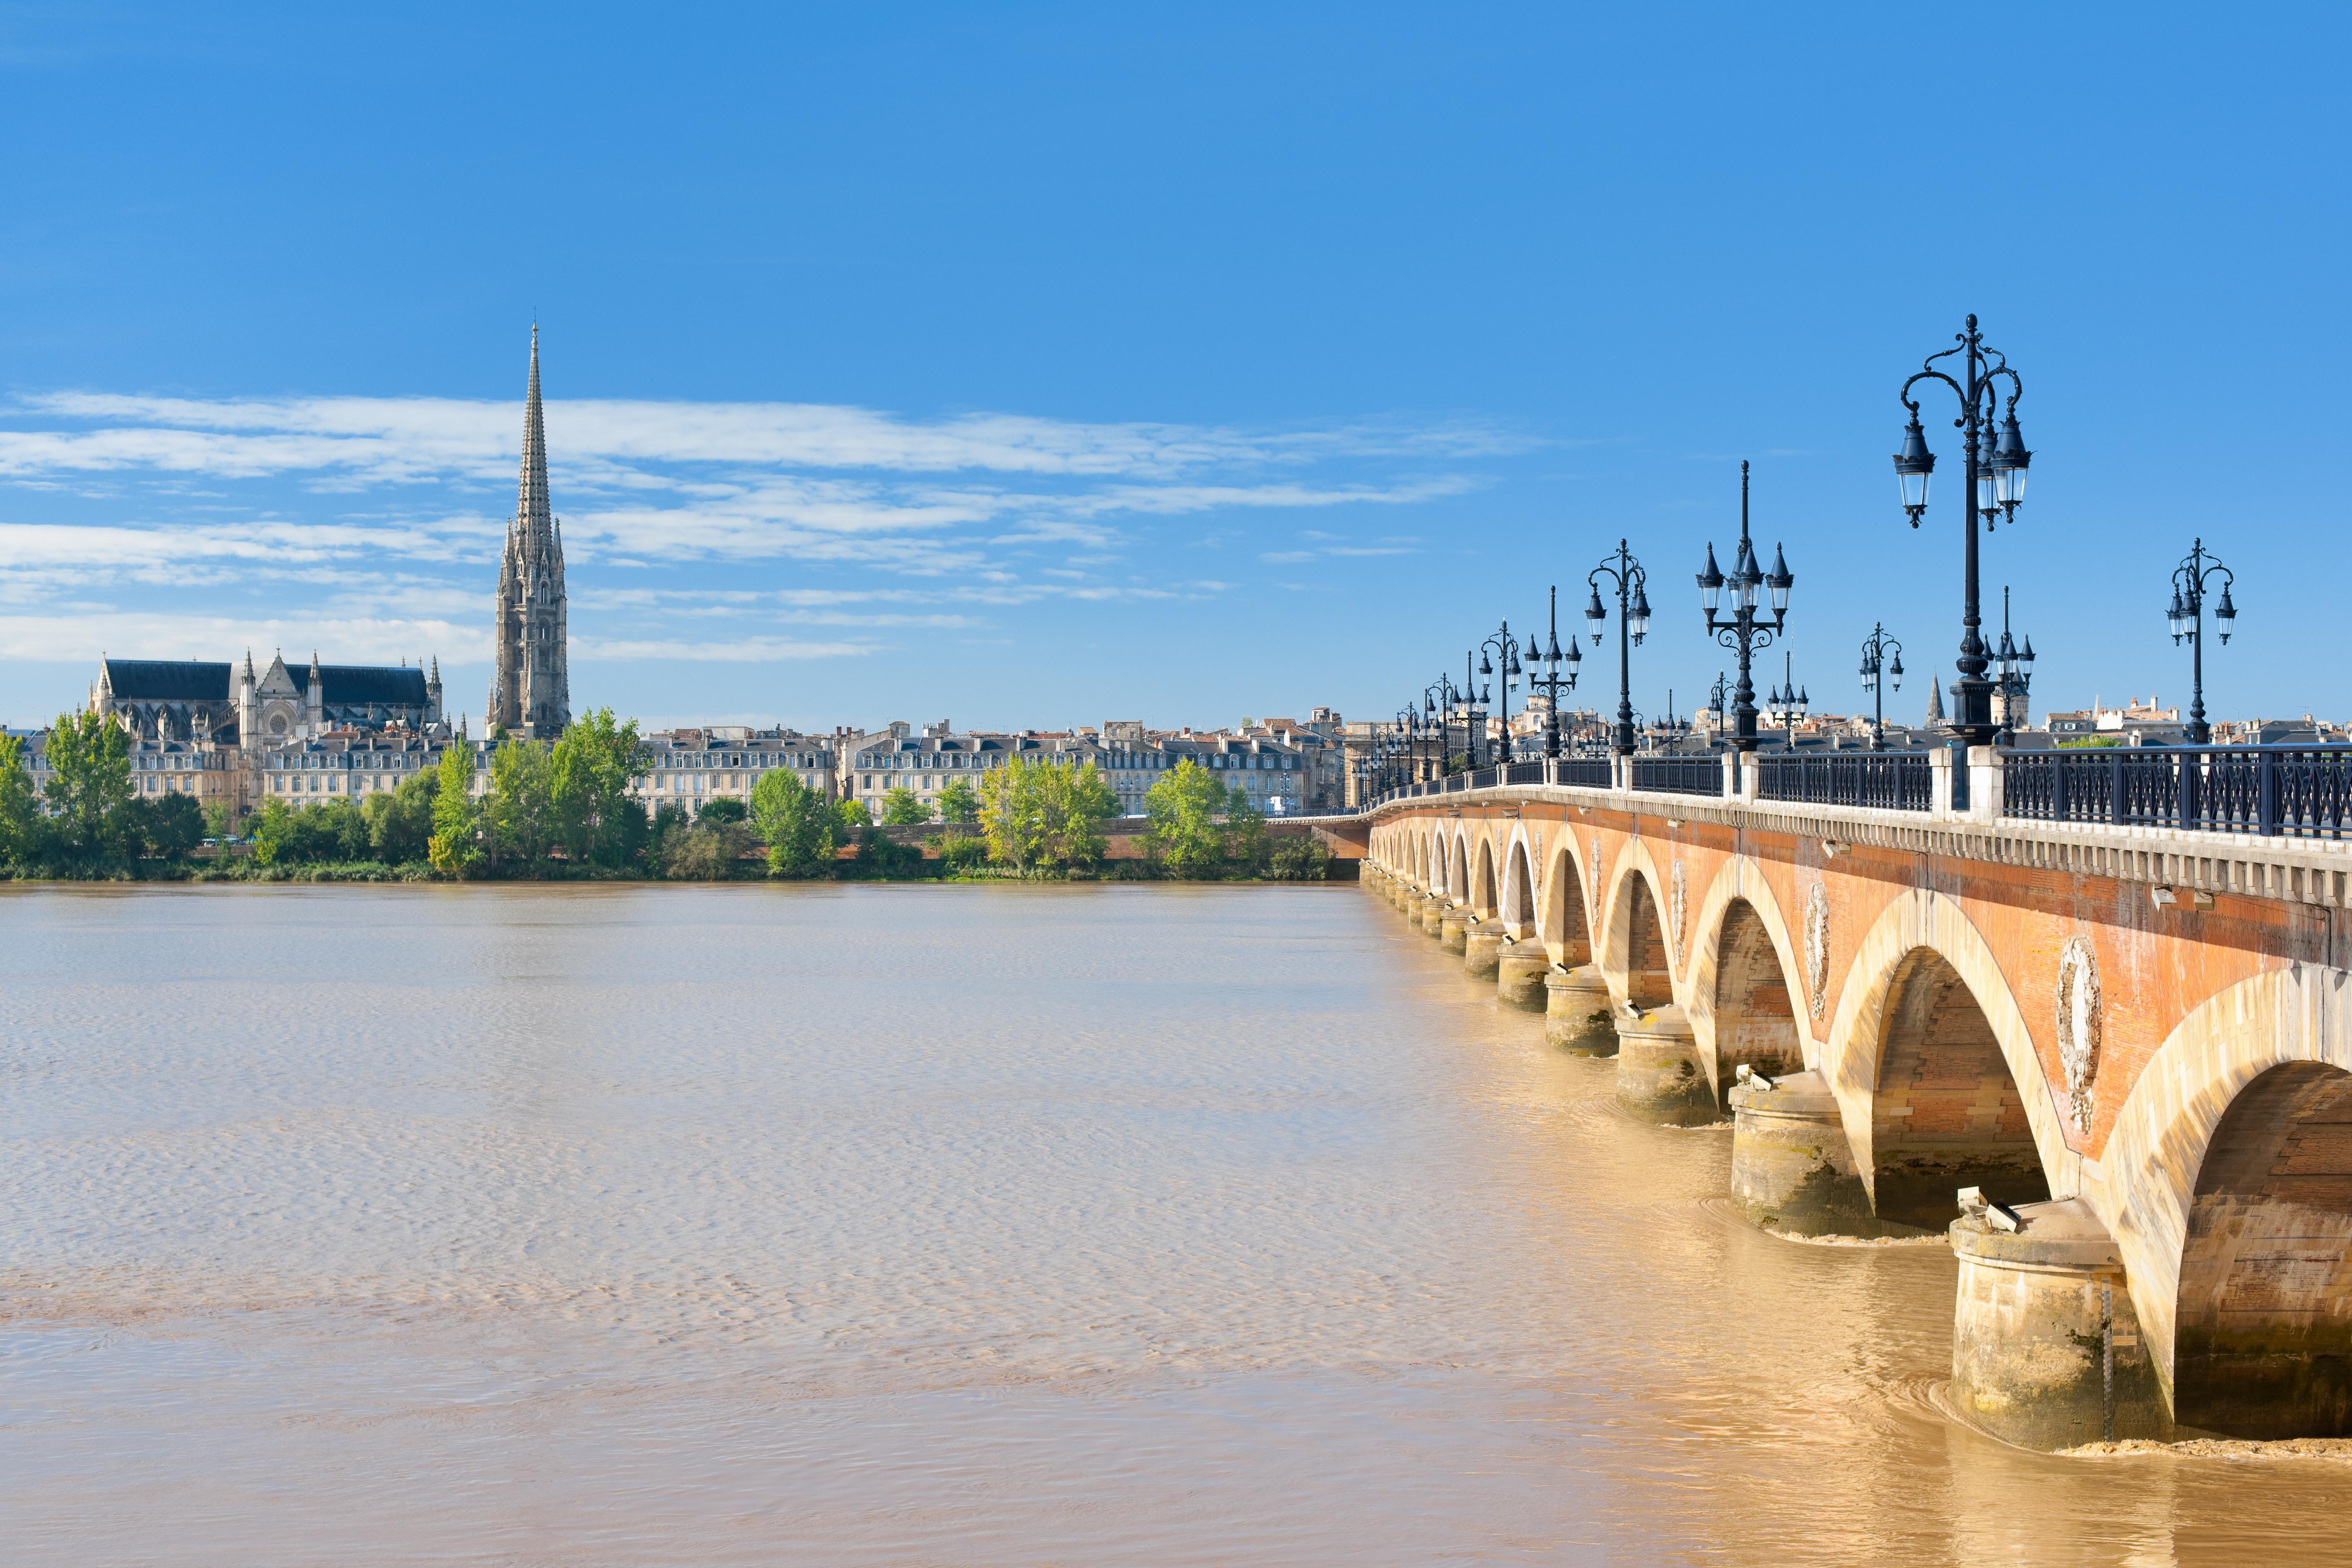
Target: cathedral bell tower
{"x":530,"y":689}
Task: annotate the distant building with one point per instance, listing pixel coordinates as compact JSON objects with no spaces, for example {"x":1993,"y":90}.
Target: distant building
{"x":690,"y":768}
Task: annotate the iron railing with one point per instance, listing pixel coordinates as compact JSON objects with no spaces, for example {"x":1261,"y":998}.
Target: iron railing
{"x":1582,"y":773}
{"x":1679,"y":774}
{"x":1484,"y":778}
{"x":1887,"y":781}
{"x":2296,"y":791}
{"x":1524,"y":774}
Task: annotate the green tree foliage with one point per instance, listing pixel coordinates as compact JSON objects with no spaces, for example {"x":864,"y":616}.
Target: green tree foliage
{"x":793,"y":819}
{"x":88,"y":789}
{"x":961,"y":851}
{"x":453,"y":848}
{"x":20,"y":813}
{"x":855,"y":818}
{"x":1181,"y":809}
{"x":722,"y":808}
{"x":168,"y":826}
{"x":595,"y":766}
{"x":331,"y":832}
{"x":904,"y":808}
{"x":1245,"y":833}
{"x":1044,"y":816}
{"x":958,"y":802}
{"x":519,"y":814}
{"x":400,"y":825}
{"x":1305,"y":858}
{"x":707,"y":850}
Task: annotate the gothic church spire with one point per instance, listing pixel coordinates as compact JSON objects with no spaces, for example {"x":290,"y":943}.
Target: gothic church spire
{"x":530,"y":686}
{"x":533,"y":520}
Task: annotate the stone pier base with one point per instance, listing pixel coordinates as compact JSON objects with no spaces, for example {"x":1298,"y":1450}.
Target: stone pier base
{"x":1791,"y":1168}
{"x":1658,"y":1074}
{"x":1453,"y":930}
{"x":2028,"y":1343}
{"x":1520,"y":971}
{"x":1482,"y":950}
{"x":1576,"y":1012}
{"x":1432,"y":915}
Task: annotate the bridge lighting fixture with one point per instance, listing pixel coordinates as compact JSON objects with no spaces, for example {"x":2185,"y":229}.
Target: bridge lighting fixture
{"x":2014,"y":680}
{"x":1913,"y":465}
{"x":1997,"y":460}
{"x":2190,"y":580}
{"x":1551,"y":681}
{"x":1743,"y":630}
{"x":1632,"y":625}
{"x":1881,"y":654}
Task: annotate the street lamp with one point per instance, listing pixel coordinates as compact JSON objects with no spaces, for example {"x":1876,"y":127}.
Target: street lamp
{"x":1788,"y":704}
{"x":1995,"y":482}
{"x":1881,"y":655}
{"x":1552,"y":680}
{"x":2188,"y":616}
{"x":1719,"y":701}
{"x":1632,"y":626}
{"x":1505,"y":654}
{"x":1742,"y":630}
{"x":2014,"y":677}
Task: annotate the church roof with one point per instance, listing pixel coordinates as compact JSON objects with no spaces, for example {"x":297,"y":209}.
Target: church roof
{"x":167,"y":680}
{"x":400,"y":686}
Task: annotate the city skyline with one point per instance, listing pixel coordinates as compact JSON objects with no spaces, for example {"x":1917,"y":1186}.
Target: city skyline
{"x":1229,"y":449}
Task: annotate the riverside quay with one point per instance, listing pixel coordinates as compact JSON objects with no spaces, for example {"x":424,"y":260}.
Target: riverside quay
{"x":2090,"y":1002}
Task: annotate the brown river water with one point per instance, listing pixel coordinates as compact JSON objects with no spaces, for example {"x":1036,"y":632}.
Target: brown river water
{"x":963,"y":1224}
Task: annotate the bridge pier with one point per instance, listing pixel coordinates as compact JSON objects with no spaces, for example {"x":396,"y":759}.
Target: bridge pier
{"x":1520,"y":971}
{"x":1577,"y":1016}
{"x":1659,"y":1077}
{"x":1792,"y":1168}
{"x":1453,"y":930}
{"x":1481,"y":949}
{"x":1432,"y":915}
{"x":2031,"y":1333}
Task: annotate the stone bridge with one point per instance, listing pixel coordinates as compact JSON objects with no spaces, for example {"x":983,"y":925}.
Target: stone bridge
{"x":2131,"y":1040}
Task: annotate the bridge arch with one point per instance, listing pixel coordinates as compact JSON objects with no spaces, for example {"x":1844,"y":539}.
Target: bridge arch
{"x":1635,"y":956}
{"x":1457,"y":869}
{"x":1485,"y":900}
{"x":1518,"y":900}
{"x":1562,"y":918}
{"x":2243,"y":1098}
{"x":1742,"y":992}
{"x":1935,"y":1072}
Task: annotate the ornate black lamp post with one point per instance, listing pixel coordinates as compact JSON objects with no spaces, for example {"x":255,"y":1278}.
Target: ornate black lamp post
{"x":1632,"y":626}
{"x":2013,"y":676}
{"x":1742,"y":631}
{"x":1505,"y":654}
{"x":1720,"y":701}
{"x":1881,"y":655}
{"x":1995,"y":482}
{"x":2197,"y":569}
{"x":1551,"y":681}
{"x":1787,"y":702}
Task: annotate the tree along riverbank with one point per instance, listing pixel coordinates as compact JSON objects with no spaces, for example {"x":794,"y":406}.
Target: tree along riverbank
{"x":569,"y":812}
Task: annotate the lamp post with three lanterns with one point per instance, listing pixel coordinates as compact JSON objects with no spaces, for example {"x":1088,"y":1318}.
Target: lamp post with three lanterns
{"x":1881,"y":655}
{"x":1632,"y":626}
{"x":1743,"y":630}
{"x":2197,"y":568}
{"x":1994,"y":483}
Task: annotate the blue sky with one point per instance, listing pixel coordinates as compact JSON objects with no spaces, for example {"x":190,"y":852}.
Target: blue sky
{"x":1032,"y":365}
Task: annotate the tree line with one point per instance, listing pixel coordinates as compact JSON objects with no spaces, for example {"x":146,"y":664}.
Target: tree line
{"x":570,"y":809}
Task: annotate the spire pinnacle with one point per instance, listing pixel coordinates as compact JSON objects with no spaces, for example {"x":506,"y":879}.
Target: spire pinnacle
{"x":532,"y":514}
